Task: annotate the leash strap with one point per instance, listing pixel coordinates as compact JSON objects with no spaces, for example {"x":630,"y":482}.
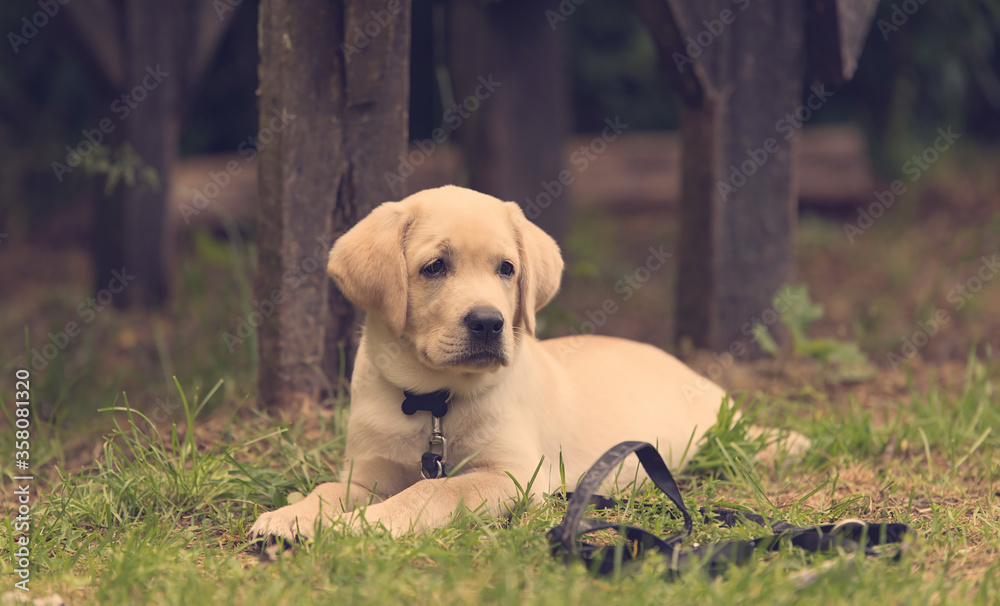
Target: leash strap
{"x":714,"y":558}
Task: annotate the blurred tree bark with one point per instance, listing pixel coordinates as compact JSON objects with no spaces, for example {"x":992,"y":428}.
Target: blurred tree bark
{"x":334,"y":89}
{"x":513,"y":138}
{"x":738,"y":68}
{"x":150,"y":55}
{"x":152,"y":131}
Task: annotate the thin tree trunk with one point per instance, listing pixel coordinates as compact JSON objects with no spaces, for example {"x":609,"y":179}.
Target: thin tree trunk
{"x":334,"y":82}
{"x":738,"y":211}
{"x":738,"y":67}
{"x":150,"y":55}
{"x":512,"y":134}
{"x":152,"y":130}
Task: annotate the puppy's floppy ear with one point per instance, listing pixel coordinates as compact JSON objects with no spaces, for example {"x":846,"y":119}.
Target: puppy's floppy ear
{"x":368,"y":266}
{"x":541,"y":267}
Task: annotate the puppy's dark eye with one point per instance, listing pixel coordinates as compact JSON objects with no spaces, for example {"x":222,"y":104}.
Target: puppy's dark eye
{"x":507,"y":269}
{"x":434,"y":268}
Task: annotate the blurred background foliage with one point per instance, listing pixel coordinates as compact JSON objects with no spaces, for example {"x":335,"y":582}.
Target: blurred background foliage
{"x":910,"y":82}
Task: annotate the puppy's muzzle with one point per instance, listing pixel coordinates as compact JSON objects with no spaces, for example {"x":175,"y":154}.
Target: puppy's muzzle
{"x":485,"y":325}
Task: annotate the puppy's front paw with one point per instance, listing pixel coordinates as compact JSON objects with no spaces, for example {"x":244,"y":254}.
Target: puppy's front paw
{"x":289,"y":523}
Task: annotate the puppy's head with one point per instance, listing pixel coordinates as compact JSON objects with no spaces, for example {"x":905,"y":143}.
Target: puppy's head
{"x":453,"y":272}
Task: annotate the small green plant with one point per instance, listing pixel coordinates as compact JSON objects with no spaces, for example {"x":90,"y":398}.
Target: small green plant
{"x":121,"y":164}
{"x":846,"y":359}
{"x":730,"y":435}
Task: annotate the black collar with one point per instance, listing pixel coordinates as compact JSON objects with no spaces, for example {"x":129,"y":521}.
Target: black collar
{"x":435,"y":403}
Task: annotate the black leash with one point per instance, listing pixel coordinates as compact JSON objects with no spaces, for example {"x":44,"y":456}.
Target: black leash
{"x":432,"y":464}
{"x":716,"y":557}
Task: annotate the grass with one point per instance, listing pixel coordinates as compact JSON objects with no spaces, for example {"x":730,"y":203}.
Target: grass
{"x":149,"y":500}
{"x":161,"y":516}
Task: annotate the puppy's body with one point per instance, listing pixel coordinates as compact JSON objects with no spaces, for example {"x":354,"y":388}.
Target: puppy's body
{"x":577,"y":396}
{"x":451,"y":280}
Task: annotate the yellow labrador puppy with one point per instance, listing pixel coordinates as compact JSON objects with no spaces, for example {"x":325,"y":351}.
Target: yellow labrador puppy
{"x":451,"y":280}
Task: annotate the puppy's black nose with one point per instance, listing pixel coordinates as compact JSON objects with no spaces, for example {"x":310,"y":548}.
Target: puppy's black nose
{"x":485,"y":323}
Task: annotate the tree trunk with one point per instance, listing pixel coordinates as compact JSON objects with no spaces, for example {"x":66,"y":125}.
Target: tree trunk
{"x":512,"y":138}
{"x":760,"y":62}
{"x":738,"y":211}
{"x":152,"y":131}
{"x":738,"y":68}
{"x":334,"y":85}
{"x":151,"y":56}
